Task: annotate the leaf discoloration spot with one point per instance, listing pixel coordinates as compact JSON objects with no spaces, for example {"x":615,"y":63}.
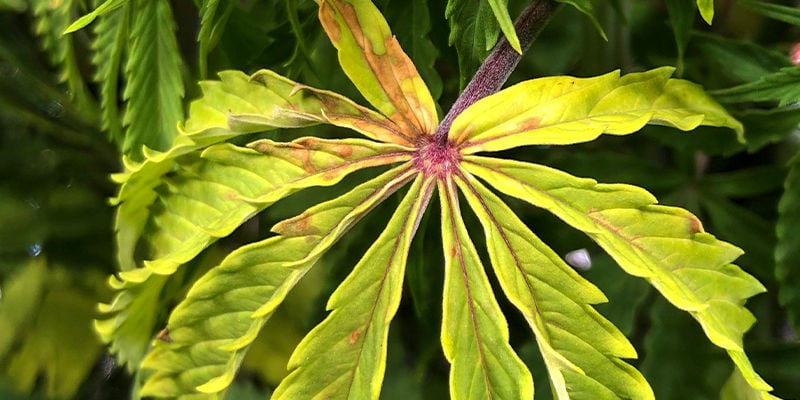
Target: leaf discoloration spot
{"x":353,"y":338}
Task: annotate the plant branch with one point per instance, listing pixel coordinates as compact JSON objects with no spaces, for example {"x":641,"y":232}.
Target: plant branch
{"x":498,"y":66}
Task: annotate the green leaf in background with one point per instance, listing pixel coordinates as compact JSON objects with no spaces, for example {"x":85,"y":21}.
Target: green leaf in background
{"x":790,"y":15}
{"x":110,"y":44}
{"x":474,"y":331}
{"x":585,"y":7}
{"x":500,"y":10}
{"x":50,"y":23}
{"x":752,"y":61}
{"x":345,"y":355}
{"x":43,"y":307}
{"x":787,"y":250}
{"x":566,"y":110}
{"x":647,"y":241}
{"x":211,"y":26}
{"x":556,"y":302}
{"x":782,"y":87}
{"x":473,"y":31}
{"x":681,"y":17}
{"x":154,"y":85}
{"x":209,"y":331}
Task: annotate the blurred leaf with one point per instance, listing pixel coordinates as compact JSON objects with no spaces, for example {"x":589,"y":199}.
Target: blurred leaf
{"x":782,"y":87}
{"x":58,"y":311}
{"x":790,"y":15}
{"x":745,"y":182}
{"x":681,"y":16}
{"x":626,"y":297}
{"x":678,"y":360}
{"x":752,"y":61}
{"x":585,"y":7}
{"x":787,"y":251}
{"x":212,"y":25}
{"x":752,"y":232}
{"x":764,"y":127}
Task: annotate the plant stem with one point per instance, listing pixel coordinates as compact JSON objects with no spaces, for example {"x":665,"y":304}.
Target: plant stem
{"x":498,"y":66}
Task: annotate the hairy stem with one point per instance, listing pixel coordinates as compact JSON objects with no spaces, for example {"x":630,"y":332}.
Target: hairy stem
{"x":496,"y":69}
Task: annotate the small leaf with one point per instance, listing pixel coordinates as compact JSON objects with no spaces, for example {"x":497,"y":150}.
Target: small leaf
{"x":210,"y":331}
{"x":500,"y":10}
{"x":565,"y":110}
{"x":681,"y":17}
{"x":106,"y":7}
{"x":373,"y":60}
{"x":474,"y":331}
{"x":667,"y":246}
{"x":581,"y":349}
{"x":345,"y":355}
{"x":211,"y":27}
{"x":706,"y":8}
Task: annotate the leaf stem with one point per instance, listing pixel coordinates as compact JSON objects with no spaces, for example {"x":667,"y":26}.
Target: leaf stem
{"x":498,"y":66}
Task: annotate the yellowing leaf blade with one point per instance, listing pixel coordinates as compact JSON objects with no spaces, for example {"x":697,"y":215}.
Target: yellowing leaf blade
{"x":373,"y":60}
{"x":209,"y":332}
{"x":666,"y":246}
{"x":474,"y":331}
{"x":580,"y":348}
{"x":344,"y":357}
{"x":566,"y":110}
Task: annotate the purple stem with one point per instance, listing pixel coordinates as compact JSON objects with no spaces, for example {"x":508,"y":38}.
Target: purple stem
{"x":496,"y":69}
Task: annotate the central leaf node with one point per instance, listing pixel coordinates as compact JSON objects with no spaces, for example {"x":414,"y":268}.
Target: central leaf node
{"x":434,"y":158}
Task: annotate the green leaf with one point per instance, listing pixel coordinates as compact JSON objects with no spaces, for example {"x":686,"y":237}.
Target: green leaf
{"x":787,"y":250}
{"x":235,"y":105}
{"x":111,"y":39}
{"x":154,"y":88}
{"x":211,"y":27}
{"x":585,"y":7}
{"x":43,"y":308}
{"x":209,"y":332}
{"x":373,"y":60}
{"x":581,"y":349}
{"x":51,"y":19}
{"x":752,"y":61}
{"x":106,"y":7}
{"x":474,"y":331}
{"x":474,"y":31}
{"x":782,"y":87}
{"x":344,"y":357}
{"x":790,"y":15}
{"x":565,"y":110}
{"x":500,"y":10}
{"x":664,"y":245}
{"x":768,"y":126}
{"x":706,"y":8}
{"x":681,"y":17}
{"x":736,"y":388}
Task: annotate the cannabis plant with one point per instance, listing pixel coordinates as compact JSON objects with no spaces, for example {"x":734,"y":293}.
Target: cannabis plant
{"x":173,"y":204}
{"x":401,"y":192}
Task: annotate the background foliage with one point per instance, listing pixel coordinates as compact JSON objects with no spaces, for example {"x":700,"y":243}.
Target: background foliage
{"x":67,"y":117}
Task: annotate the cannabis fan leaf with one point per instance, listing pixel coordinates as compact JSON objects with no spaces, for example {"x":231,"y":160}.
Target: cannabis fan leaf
{"x":175,"y":204}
